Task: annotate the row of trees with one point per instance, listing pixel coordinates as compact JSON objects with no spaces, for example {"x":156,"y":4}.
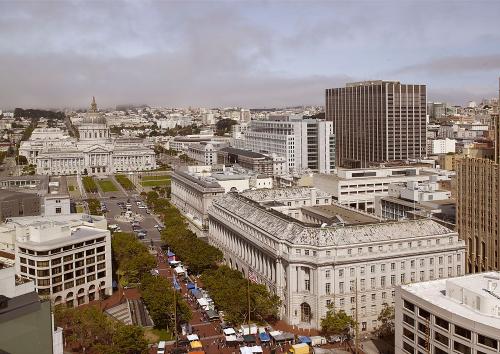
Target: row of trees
{"x":94,"y":206}
{"x":197,"y":254}
{"x":162,"y":304}
{"x":37,"y":114}
{"x":89,"y":184}
{"x":125,"y":182}
{"x":231,"y":292}
{"x":131,"y":257}
{"x":223,"y":126}
{"x":89,"y":330}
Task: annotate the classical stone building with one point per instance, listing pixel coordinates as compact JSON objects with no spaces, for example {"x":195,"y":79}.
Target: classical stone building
{"x":311,"y":266}
{"x":93,"y":153}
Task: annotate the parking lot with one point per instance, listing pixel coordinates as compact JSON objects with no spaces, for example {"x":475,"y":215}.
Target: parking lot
{"x":147,"y":223}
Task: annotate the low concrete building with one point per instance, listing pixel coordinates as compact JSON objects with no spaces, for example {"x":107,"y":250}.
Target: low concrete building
{"x":14,"y":204}
{"x":458,"y":315}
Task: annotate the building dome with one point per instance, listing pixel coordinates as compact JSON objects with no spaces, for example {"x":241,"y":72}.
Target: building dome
{"x":93,"y":116}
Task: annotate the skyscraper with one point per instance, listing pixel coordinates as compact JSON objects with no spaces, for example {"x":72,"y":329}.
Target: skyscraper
{"x":478,"y":208}
{"x":377,"y":121}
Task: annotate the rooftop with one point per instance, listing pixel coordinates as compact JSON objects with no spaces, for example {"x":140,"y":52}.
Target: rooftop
{"x":300,"y":233}
{"x":242,"y":152}
{"x":342,"y":214}
{"x":475,"y":297}
{"x":277,"y":194}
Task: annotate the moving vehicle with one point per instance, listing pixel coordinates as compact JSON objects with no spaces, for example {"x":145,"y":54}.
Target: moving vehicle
{"x":161,"y":347}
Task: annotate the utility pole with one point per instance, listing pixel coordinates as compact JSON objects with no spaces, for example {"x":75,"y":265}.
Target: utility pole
{"x":175,"y":316}
{"x":357,"y":316}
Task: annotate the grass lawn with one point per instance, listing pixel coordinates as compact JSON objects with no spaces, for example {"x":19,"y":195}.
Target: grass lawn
{"x":107,"y":185}
{"x":154,"y":335}
{"x":80,"y":209}
{"x":156,"y":183}
{"x":89,"y":184}
{"x":153,"y":178}
{"x":125,"y":182}
{"x":71,"y":188}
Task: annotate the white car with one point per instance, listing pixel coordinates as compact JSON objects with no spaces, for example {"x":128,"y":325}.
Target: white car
{"x":142,"y":206}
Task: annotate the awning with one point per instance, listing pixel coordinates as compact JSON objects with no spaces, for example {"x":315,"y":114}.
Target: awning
{"x":249,"y":329}
{"x":284,"y":337}
{"x":176,"y":284}
{"x":229,"y":331}
{"x":173,"y":262}
{"x":257,"y":349}
{"x":197,"y":293}
{"x":275,"y":333}
{"x":264,"y":337}
{"x":212,"y":314}
{"x":196,"y":344}
{"x":190,"y":286}
{"x":249,"y":338}
{"x":304,"y":339}
{"x":250,"y":350}
{"x":192,"y":337}
{"x":203,"y":302}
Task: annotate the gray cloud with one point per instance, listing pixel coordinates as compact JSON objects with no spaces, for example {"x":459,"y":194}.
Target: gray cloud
{"x":454,"y":65}
{"x":59,"y":53}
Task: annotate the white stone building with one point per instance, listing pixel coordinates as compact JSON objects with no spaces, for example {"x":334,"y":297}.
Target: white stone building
{"x":306,"y":144}
{"x":93,"y":153}
{"x":311,"y":267}
{"x":459,"y":315}
{"x":68,"y":256}
{"x":193,"y":189}
{"x":359,"y":187}
{"x":441,"y":146}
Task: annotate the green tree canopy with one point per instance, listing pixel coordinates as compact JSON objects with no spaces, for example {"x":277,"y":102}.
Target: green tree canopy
{"x":132,"y":257}
{"x":158,"y":295}
{"x":223,"y":126}
{"x":336,"y":322}
{"x":229,"y":290}
{"x":386,"y":317}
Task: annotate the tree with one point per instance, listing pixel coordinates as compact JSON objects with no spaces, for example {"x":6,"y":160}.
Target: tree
{"x":21,"y":160}
{"x":158,"y":295}
{"x":132,"y":257}
{"x":386,"y":317}
{"x":336,"y":322}
{"x":223,"y":126}
{"x":230,"y":291}
{"x":129,"y":340}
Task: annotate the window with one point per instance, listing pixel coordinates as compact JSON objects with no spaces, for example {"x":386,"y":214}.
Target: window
{"x":43,"y":282}
{"x":431,"y":261}
{"x":403,"y":278}
{"x":384,"y":295}
{"x":341,"y":272}
{"x":409,"y":306}
{"x":372,"y":269}
{"x":487,"y":341}
{"x":43,"y":273}
{"x":442,"y":323}
{"x":402,"y":265}
{"x":441,"y":338}
{"x":382,"y":267}
{"x":352,"y":272}
{"x":341,"y":302}
{"x":424,"y":314}
{"x":462,"y":332}
{"x":58,"y":210}
{"x":393,"y":279}
{"x":408,"y":334}
{"x":408,"y":348}
{"x":363,"y":298}
{"x":438,"y":350}
{"x":68,"y":258}
{"x":372,"y":283}
{"x":353,"y":299}
{"x":327,"y":288}
{"x":422,"y":328}
{"x":374,"y":297}
{"x":423,"y":343}
{"x":412,"y":264}
{"x":393,"y":266}
{"x":101,"y":274}
{"x":56,"y":270}
{"x":55,"y":261}
{"x":306,"y":252}
{"x":382,"y":281}
{"x":68,"y":285}
{"x":461,"y":348}
{"x":362,"y":270}
{"x":408,"y":320}
{"x":328,"y":253}
{"x":327,"y":274}
{"x":341,"y":287}
{"x":422,"y":275}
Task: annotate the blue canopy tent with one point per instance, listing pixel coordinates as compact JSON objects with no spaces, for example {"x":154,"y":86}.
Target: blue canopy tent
{"x":197,"y":293}
{"x":170,"y":254}
{"x":190,"y":286}
{"x":176,"y":284}
{"x":304,"y":339}
{"x":264,"y":337}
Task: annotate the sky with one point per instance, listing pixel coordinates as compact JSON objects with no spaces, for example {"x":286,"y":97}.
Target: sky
{"x":57,"y":54}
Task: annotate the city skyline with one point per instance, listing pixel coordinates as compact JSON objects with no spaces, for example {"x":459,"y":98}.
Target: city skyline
{"x":264,"y":54}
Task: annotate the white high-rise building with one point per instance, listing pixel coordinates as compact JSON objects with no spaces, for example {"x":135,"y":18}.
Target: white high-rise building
{"x":457,"y":315}
{"x":306,"y":144}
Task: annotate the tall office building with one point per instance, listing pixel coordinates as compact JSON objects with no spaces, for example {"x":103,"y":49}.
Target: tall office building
{"x":478,"y":209}
{"x":377,"y":121}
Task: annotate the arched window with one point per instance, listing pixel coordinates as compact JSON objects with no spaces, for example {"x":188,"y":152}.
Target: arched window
{"x":305,"y":312}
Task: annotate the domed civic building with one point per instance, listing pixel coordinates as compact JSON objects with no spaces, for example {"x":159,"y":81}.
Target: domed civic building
{"x":94,"y":152}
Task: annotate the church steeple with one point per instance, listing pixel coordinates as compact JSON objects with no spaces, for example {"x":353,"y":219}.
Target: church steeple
{"x":93,"y":106}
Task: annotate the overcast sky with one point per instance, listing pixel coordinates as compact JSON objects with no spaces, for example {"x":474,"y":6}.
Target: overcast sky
{"x":241,"y":53}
